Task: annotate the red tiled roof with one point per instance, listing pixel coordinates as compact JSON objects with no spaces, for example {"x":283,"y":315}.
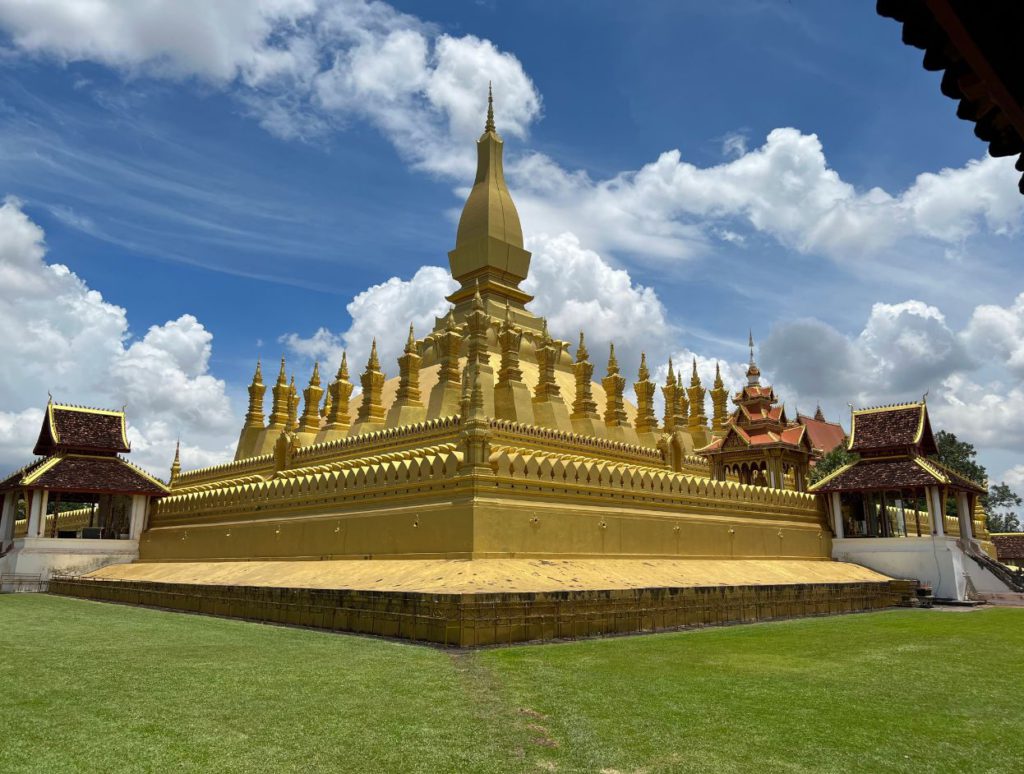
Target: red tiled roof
{"x":824,"y":435}
{"x":1009,"y":545}
{"x":892,"y":427}
{"x":88,"y":473}
{"x":72,"y":428}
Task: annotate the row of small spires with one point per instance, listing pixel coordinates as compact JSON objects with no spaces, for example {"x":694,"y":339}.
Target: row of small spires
{"x":335,"y":409}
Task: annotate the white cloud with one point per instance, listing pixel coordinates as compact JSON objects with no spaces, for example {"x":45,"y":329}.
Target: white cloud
{"x":383,"y":312}
{"x":785,"y":188}
{"x":998,"y":332}
{"x":905,"y":350}
{"x":578,"y":290}
{"x":302,"y":67}
{"x":1014,"y":477}
{"x":66,"y":339}
{"x":218,"y":41}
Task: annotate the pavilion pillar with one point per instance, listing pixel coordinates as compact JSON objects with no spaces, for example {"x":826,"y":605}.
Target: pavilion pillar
{"x":138,"y":516}
{"x":37,"y":513}
{"x":10,"y":514}
{"x":964,"y":515}
{"x":935,"y":514}
{"x":837,"y":516}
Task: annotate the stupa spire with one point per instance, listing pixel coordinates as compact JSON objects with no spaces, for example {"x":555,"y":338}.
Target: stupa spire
{"x":489,"y":124}
{"x":489,"y":256}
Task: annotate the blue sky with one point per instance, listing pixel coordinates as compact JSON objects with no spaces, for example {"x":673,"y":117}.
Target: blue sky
{"x":234,"y":200}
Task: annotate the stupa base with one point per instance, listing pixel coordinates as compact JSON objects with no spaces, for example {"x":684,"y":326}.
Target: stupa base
{"x":471,"y":603}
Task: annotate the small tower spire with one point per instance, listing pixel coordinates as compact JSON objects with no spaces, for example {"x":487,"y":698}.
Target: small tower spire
{"x":753,"y":372}
{"x":645,"y":388}
{"x":719,"y":399}
{"x":176,"y":465}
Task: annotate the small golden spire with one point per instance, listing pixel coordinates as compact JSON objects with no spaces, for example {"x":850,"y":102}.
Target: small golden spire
{"x":613,"y":364}
{"x":449,"y":322}
{"x":314,"y":380}
{"x":695,"y":379}
{"x":478,"y":302}
{"x":373,"y":364}
{"x":581,"y":350}
{"x":257,"y":378}
{"x":342,"y":375}
{"x":176,"y":465}
{"x":644,"y":373}
{"x":489,"y":126}
{"x":750,"y":341}
{"x":282,"y":378}
{"x":718,"y":376}
{"x":671,"y":378}
{"x":410,"y":344}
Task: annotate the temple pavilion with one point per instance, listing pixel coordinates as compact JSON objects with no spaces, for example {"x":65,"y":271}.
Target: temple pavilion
{"x":80,"y":504}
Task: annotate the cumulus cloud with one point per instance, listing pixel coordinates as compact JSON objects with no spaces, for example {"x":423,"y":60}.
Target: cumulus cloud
{"x":305,"y":67}
{"x":904,"y":350}
{"x":785,"y":188}
{"x":998,"y":332}
{"x":66,"y":339}
{"x":383,"y":312}
{"x":302,"y":67}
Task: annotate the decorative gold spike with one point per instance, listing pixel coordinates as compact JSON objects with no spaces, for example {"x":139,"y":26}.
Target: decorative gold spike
{"x":489,"y":124}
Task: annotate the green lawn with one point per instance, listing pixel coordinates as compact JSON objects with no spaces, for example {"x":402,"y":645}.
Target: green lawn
{"x":96,"y":687}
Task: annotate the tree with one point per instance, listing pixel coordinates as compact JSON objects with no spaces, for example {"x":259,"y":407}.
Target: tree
{"x":831,"y":462}
{"x":998,"y":518}
{"x":961,"y":456}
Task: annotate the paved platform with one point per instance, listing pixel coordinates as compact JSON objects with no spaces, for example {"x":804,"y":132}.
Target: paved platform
{"x":495,"y":576}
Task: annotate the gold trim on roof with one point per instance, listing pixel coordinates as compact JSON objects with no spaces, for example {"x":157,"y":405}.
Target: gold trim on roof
{"x":815,"y":486}
{"x":48,"y":465}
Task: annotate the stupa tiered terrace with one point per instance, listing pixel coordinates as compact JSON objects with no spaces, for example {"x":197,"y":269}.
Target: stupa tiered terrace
{"x":522,"y":498}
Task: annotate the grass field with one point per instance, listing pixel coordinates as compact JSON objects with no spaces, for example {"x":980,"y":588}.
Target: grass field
{"x":97,"y":687}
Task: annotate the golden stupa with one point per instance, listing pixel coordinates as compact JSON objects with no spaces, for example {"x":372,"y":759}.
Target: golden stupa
{"x":496,"y":471}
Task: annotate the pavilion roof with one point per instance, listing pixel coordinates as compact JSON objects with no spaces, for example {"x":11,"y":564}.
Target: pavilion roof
{"x":83,"y":473}
{"x":902,"y":472}
{"x":892,"y":428}
{"x":81,"y":429}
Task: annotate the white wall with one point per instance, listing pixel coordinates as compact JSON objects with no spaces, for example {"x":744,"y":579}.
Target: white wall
{"x":934,"y":560}
{"x":66,"y":556}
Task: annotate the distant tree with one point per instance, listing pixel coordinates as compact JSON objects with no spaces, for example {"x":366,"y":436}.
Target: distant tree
{"x":997,"y":504}
{"x":832,"y":461}
{"x":961,"y":456}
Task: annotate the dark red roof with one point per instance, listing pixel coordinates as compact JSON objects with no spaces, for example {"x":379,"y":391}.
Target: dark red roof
{"x":77,"y":429}
{"x":893,"y":473}
{"x":1009,"y":546}
{"x":82,"y":473}
{"x":824,"y":435}
{"x":892,"y":428}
